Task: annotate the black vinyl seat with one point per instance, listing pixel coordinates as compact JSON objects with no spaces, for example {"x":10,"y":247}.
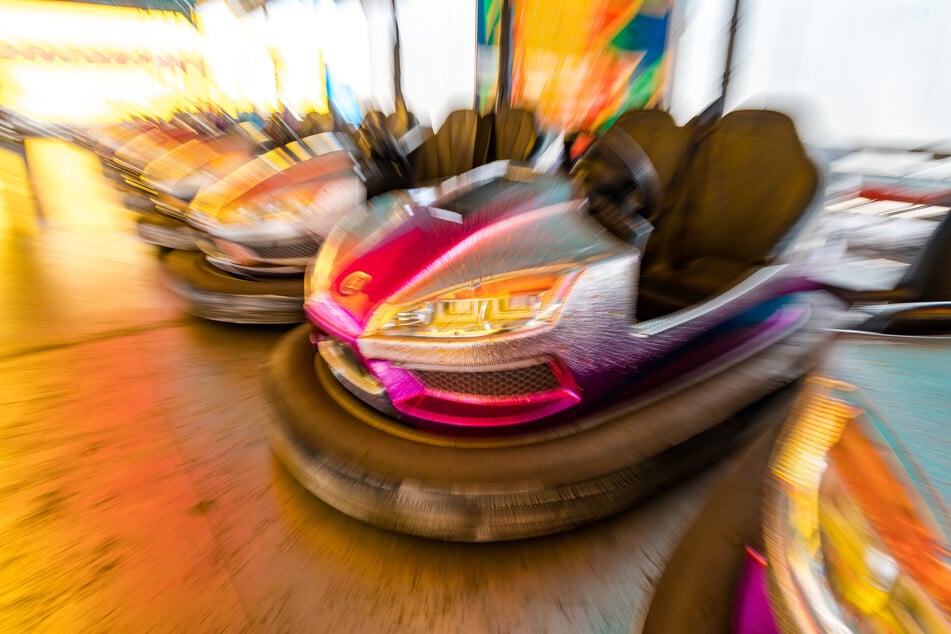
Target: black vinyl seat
{"x":928,"y":279}
{"x":746,"y":188}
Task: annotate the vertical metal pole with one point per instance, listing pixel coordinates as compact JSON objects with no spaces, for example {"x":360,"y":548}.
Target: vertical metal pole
{"x":731,"y":43}
{"x":504,"y":93}
{"x":397,"y":62}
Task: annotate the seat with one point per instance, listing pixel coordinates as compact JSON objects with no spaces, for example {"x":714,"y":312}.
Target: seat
{"x":315,"y":123}
{"x":746,"y":189}
{"x":664,"y":142}
{"x":929,"y":278}
{"x":460,"y":144}
{"x":467,"y":140}
{"x":400,"y":122}
{"x":514,"y":134}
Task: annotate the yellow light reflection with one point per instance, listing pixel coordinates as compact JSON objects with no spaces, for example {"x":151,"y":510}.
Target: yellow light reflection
{"x":17,"y":206}
{"x":79,"y":63}
{"x":60,"y":175}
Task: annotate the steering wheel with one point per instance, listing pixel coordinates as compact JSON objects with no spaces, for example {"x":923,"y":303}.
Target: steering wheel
{"x":616,"y":168}
{"x":383,"y":144}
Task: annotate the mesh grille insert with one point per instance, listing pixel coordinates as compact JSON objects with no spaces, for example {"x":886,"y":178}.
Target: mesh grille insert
{"x":290,"y":250}
{"x":530,"y":380}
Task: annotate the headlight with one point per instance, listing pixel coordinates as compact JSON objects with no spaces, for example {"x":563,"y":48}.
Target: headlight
{"x":517,"y":301}
{"x":851,"y":544}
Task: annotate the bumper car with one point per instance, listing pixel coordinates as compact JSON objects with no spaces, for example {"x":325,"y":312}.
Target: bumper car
{"x":175,"y":178}
{"x":837,"y":521}
{"x":266,"y":221}
{"x":509,"y":354}
{"x":128,"y":149}
{"x":256,"y":228}
{"x":10,"y":135}
{"x":17,"y":126}
{"x":126,"y":163}
{"x":840,"y":525}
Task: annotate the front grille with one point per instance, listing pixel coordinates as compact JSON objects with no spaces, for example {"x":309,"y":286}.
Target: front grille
{"x":286,"y":251}
{"x":530,"y":380}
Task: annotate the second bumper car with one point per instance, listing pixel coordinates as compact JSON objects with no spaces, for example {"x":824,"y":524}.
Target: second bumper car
{"x":256,"y":230}
{"x":175,"y":178}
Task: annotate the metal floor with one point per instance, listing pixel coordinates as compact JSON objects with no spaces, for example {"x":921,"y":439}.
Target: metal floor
{"x":138,"y":492}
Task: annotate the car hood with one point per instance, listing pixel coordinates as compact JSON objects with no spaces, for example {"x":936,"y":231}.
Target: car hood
{"x":198,"y":154}
{"x":411,"y":245}
{"x":272,"y":173}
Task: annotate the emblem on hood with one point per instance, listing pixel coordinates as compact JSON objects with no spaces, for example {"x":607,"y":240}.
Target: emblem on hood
{"x":354,"y":283}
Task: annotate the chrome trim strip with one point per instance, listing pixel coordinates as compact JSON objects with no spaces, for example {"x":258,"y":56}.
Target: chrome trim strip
{"x":512,"y":365}
{"x":335,"y":356}
{"x":749,"y":285}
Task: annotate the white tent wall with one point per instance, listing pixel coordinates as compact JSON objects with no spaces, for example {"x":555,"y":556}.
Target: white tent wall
{"x":438,"y":42}
{"x":873,"y":71}
{"x":699,"y":35}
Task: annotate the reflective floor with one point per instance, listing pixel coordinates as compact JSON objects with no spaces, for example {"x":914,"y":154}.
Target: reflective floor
{"x":138,"y":492}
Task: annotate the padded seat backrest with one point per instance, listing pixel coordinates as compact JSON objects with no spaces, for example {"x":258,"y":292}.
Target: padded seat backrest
{"x":373,"y":118}
{"x":664,"y":142}
{"x":315,"y":123}
{"x":746,"y":187}
{"x":460,"y":144}
{"x":400,"y":122}
{"x":514,"y":134}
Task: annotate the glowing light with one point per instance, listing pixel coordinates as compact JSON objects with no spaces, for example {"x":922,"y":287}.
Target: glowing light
{"x":70,"y":62}
{"x":848,"y":540}
{"x":521,"y":301}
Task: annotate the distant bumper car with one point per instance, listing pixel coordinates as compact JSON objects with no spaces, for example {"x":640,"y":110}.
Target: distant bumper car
{"x":127,"y":150}
{"x":266,"y":221}
{"x":126,"y":163}
{"x":174,"y":179}
{"x":510,"y":354}
{"x":16,"y":126}
{"x":257,"y":227}
{"x":10,"y":135}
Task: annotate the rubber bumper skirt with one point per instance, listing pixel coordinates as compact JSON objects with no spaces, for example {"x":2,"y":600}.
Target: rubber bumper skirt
{"x":165,"y":231}
{"x":213,"y":294}
{"x":373,"y":468}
